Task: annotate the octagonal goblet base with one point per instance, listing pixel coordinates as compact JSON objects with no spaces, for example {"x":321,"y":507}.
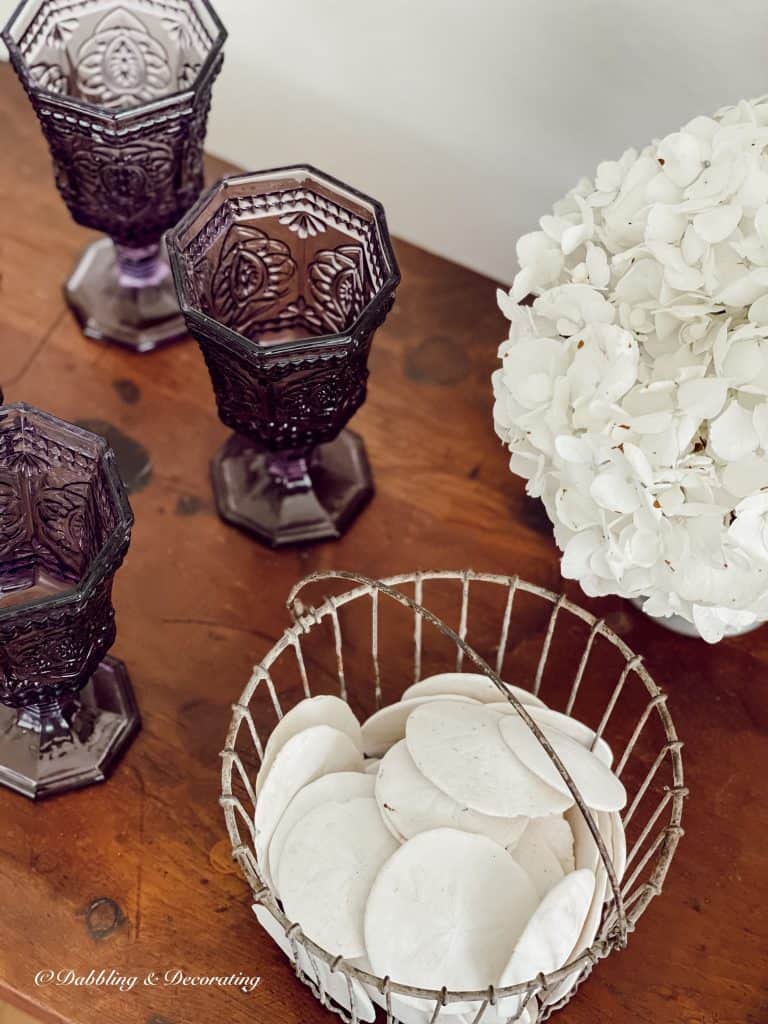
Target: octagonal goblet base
{"x":140,"y":319}
{"x":337,"y":486}
{"x":97,"y":726}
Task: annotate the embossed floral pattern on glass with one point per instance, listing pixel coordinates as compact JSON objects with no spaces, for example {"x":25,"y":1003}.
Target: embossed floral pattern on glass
{"x":284,"y":276}
{"x":254,"y":272}
{"x":122,"y":92}
{"x":121,"y":65}
{"x":64,"y":530}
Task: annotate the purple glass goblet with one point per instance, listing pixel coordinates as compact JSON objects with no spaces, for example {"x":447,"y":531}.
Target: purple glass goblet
{"x":67,"y":712}
{"x":122,"y":92}
{"x":283,"y":277}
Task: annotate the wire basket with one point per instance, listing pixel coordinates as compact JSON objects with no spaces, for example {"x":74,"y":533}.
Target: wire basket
{"x":366,"y":643}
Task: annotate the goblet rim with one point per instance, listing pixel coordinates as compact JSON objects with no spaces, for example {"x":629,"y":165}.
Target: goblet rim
{"x":119,"y":117}
{"x":108,"y":558}
{"x":224,"y":335}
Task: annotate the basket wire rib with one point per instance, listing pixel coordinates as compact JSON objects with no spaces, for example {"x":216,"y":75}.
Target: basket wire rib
{"x":504,"y":636}
{"x":302,"y":667}
{"x":576,"y":686}
{"x":625,"y":904}
{"x":543,"y":659}
{"x":375,"y":648}
{"x":417,"y":626}
{"x":460,"y":648}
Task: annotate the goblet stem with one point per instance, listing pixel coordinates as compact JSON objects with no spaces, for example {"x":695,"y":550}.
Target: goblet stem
{"x":52,"y":721}
{"x":292,"y":496}
{"x":71,"y":741}
{"x":140,"y":267}
{"x":290,"y":470}
{"x":124,"y":294}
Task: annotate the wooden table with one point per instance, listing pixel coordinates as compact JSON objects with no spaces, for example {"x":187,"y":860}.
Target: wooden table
{"x":136,"y":874}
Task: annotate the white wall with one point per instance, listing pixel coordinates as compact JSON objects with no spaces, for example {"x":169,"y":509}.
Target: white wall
{"x":468,"y":118}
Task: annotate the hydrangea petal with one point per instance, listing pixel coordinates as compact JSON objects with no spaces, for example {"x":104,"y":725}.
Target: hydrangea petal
{"x":578,"y":552}
{"x":679,"y":155}
{"x":665,"y":224}
{"x":761,"y":223}
{"x":531,"y":246}
{"x":638,"y":461}
{"x":522,"y":285}
{"x":614,"y":492}
{"x":745,"y":289}
{"x":575,"y":510}
{"x":609,"y":176}
{"x":717,"y":224}
{"x":732,"y":435}
{"x":573,"y":449}
{"x":714,"y":623}
{"x":743,"y":361}
{"x":760,"y":423}
{"x":597,"y":267}
{"x":703,"y":398}
{"x":576,"y":302}
{"x":758,"y":311}
{"x":644,"y":547}
{"x":745,"y":476}
{"x":692,"y":246}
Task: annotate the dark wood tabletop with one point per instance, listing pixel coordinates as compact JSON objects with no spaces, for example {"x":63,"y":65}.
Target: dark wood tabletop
{"x":136,"y":874}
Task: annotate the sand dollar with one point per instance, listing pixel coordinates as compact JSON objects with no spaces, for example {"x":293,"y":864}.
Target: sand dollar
{"x":387,"y":726}
{"x":338,"y":786}
{"x":599,"y":787}
{"x":550,"y":934}
{"x":412,"y":804}
{"x":304,"y":757}
{"x":460,"y":749}
{"x":587,"y":856}
{"x":468,"y":684}
{"x":447,"y":909}
{"x":327,"y":866}
{"x":570,"y":726}
{"x":320,"y":710}
{"x":533,"y":853}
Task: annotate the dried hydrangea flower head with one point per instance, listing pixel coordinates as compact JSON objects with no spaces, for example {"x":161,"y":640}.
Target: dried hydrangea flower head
{"x":633,"y":392}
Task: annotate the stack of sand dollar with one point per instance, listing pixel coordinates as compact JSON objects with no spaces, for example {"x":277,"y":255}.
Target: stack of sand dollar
{"x":436,"y":844}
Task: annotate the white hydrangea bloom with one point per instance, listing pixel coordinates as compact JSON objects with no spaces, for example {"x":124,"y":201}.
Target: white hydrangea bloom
{"x":633,"y":392}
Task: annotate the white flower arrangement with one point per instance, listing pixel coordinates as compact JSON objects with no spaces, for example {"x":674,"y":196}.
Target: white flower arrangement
{"x":633,"y":392}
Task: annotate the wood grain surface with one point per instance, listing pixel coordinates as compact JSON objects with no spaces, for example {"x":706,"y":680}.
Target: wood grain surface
{"x":12,"y":1015}
{"x":136,"y":874}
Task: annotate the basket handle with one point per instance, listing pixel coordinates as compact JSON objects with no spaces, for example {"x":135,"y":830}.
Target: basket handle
{"x":300,"y":615}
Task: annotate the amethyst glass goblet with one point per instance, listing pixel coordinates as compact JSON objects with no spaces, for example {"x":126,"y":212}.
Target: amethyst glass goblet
{"x":122,"y":91}
{"x":283,"y":277}
{"x":66,"y":711}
